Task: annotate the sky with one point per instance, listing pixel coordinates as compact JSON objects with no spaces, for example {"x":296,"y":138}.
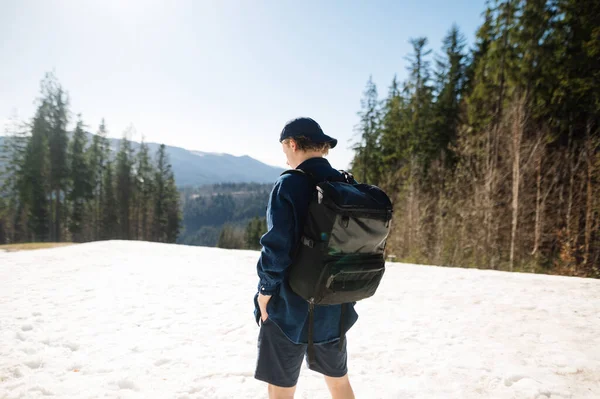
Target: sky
{"x":216,"y":76}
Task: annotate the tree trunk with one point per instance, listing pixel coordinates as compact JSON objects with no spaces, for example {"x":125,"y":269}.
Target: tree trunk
{"x":52,"y":211}
{"x":538,"y":206}
{"x":517,"y":135}
{"x":572,"y":228}
{"x":57,"y":216}
{"x":588,"y":205}
{"x":490,"y":177}
{"x":144,"y":220}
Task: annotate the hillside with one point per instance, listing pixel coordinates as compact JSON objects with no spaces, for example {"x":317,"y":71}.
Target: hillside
{"x":195,"y":168}
{"x":206,"y":210}
{"x":122,"y":319}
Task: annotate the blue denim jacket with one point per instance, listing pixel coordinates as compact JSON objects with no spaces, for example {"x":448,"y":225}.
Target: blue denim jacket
{"x":286,"y":212}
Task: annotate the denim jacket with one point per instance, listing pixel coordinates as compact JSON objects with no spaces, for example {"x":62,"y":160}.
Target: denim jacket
{"x":286,"y":211}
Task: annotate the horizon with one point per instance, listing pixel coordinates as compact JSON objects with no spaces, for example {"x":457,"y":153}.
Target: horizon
{"x":217,"y":78}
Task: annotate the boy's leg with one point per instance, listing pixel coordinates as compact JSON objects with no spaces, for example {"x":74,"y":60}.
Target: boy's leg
{"x":332,"y":363}
{"x":276,"y":392}
{"x":279,"y":361}
{"x":340,"y":387}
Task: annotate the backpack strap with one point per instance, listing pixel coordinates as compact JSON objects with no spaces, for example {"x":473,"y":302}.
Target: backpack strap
{"x":311,"y":325}
{"x":342,"y":327}
{"x":300,"y":172}
{"x":346,"y":177}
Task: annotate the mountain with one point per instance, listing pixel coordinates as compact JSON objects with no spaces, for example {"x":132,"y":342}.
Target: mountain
{"x":119,"y":319}
{"x":196,"y":168}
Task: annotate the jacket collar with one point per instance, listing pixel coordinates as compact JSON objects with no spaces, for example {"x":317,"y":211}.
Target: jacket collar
{"x":314,"y":162}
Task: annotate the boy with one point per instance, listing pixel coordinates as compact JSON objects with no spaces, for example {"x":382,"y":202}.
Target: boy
{"x":282,"y":341}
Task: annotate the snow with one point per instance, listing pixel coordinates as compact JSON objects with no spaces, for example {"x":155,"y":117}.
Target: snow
{"x":141,"y":320}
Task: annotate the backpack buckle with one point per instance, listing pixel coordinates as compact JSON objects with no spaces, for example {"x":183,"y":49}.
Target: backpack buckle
{"x":345,"y":221}
{"x":308,"y":242}
{"x":319,"y":195}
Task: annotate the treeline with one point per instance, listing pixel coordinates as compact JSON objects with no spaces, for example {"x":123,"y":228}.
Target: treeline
{"x":491,"y":154}
{"x":57,"y":186}
{"x":222,"y":214}
{"x":235,"y":237}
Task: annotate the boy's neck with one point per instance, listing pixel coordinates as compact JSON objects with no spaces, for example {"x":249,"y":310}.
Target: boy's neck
{"x":307,"y":155}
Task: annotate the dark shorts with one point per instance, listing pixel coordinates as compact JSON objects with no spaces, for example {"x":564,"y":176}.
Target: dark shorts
{"x":279,"y":359}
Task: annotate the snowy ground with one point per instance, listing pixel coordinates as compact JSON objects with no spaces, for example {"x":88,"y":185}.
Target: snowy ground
{"x":141,"y":320}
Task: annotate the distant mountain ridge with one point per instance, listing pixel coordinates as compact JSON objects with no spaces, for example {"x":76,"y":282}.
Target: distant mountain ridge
{"x":196,"y":168}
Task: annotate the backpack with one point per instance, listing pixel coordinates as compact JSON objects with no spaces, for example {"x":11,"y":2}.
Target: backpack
{"x":340,"y":257}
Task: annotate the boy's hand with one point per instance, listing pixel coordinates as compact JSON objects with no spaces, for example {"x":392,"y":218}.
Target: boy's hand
{"x":262,"y":304}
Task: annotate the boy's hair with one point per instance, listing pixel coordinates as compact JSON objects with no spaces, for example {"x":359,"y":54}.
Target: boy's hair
{"x":305,"y":144}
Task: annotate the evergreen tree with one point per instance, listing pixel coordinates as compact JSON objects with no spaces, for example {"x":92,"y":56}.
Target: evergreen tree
{"x":255,"y":229}
{"x":124,"y":187}
{"x":367,"y":162}
{"x":81,"y":189}
{"x":57,"y":104}
{"x":145,"y":189}
{"x":536,"y":62}
{"x":13,"y":179}
{"x":231,"y":238}
{"x":173,"y":225}
{"x":450,"y":76}
{"x":110,"y":218}
{"x":36,"y":167}
{"x":479,"y":86}
{"x":393,"y":129}
{"x":167,"y":217}
{"x":99,"y":153}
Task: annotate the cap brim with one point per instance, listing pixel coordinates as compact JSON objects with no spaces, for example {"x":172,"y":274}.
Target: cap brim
{"x":332,"y":142}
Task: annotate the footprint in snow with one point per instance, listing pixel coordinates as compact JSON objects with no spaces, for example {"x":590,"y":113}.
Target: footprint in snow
{"x":160,"y":362}
{"x":16,"y":373}
{"x":126,"y":384}
{"x":513,"y":379}
{"x":72,"y":345}
{"x":43,"y":390}
{"x":29,"y":351}
{"x":33,"y":364}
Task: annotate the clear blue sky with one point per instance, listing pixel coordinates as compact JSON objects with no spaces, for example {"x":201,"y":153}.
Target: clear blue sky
{"x":217,"y":76}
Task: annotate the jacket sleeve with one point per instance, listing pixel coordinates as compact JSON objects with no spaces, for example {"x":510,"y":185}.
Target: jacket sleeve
{"x":278,"y":242}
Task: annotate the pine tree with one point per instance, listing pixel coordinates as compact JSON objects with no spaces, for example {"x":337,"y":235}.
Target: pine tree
{"x":366,"y":164}
{"x":37,"y":170}
{"x":145,"y":189}
{"x":255,"y":229}
{"x":231,"y":238}
{"x":421,"y":141}
{"x":478,"y":85}
{"x":99,"y":153}
{"x":124,"y":187}
{"x":81,"y":189}
{"x":450,"y":76}
{"x":393,"y":142}
{"x":57,"y":102}
{"x":173,"y":225}
{"x":13,"y":179}
{"x":161,"y":195}
{"x":536,"y":61}
{"x":110,"y":218}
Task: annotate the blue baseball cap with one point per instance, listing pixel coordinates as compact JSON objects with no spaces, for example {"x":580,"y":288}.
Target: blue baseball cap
{"x":308,"y":128}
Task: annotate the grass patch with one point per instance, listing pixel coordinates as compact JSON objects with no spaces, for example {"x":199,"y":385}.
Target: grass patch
{"x":32,"y":246}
